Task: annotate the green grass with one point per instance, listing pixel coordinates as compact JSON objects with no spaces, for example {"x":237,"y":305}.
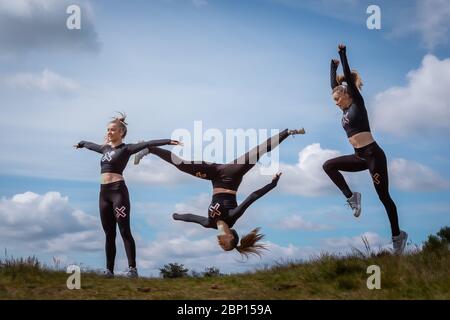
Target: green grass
{"x":417,"y":275}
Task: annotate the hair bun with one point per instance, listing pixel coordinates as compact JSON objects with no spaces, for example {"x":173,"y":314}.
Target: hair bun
{"x":122,"y":117}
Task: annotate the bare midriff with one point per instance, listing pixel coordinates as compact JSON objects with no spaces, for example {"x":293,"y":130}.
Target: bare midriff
{"x":223,"y":190}
{"x":361,"y":139}
{"x":110,"y":177}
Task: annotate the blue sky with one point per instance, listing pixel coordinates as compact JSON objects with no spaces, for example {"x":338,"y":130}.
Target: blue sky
{"x":259,"y":64}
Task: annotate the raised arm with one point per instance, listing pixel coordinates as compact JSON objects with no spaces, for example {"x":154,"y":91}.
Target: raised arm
{"x":90,"y":145}
{"x":136,"y":147}
{"x":333,"y":69}
{"x":353,"y":90}
{"x":255,"y":195}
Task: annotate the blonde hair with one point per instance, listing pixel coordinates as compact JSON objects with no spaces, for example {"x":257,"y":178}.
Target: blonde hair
{"x":120,"y":121}
{"x":249,"y":243}
{"x":340,"y":78}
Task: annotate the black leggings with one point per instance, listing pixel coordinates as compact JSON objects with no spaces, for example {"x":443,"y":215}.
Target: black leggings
{"x":115,"y":208}
{"x":370,"y":157}
{"x":232,"y":172}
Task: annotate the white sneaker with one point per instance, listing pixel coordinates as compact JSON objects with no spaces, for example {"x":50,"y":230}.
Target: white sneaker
{"x":132,"y":273}
{"x":296,"y":131}
{"x":355,"y":203}
{"x":107,"y":274}
{"x":399,"y":242}
{"x":138,"y":156}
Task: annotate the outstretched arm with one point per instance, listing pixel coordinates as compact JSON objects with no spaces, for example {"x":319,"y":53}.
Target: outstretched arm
{"x":353,"y":90}
{"x":333,"y":69}
{"x":90,"y":145}
{"x":136,"y":147}
{"x":188,"y":217}
{"x":255,"y":195}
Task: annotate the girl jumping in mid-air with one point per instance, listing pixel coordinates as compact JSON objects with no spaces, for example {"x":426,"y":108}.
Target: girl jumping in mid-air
{"x":223,"y":212}
{"x":368,"y":154}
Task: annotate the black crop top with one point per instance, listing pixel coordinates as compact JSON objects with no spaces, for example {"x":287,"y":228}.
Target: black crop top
{"x":115,"y":159}
{"x":354,"y":118}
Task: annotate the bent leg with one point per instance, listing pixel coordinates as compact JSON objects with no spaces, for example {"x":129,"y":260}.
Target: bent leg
{"x":349,"y":163}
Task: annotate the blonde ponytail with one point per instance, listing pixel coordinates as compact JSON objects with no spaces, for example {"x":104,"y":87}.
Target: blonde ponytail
{"x":340,"y":78}
{"x":249,"y":244}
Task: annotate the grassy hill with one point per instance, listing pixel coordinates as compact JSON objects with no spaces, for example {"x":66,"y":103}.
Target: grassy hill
{"x":418,"y":275}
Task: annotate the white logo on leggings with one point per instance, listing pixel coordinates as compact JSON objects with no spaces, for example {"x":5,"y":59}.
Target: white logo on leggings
{"x":121,"y":212}
{"x":214,"y":210}
{"x":108,"y":156}
{"x":376,"y":178}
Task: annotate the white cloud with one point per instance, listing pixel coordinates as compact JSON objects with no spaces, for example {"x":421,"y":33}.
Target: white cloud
{"x":46,"y":222}
{"x":47,"y":81}
{"x":92,"y":240}
{"x":427,"y":19}
{"x":412,"y":176}
{"x":421,"y":106}
{"x":21,"y":8}
{"x":433,"y":22}
{"x":305,"y":178}
{"x":197,"y":205}
{"x":296,"y":222}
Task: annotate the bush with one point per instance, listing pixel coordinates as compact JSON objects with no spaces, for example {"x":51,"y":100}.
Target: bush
{"x":211,"y":272}
{"x":444,"y":234}
{"x":439,"y":241}
{"x":195,"y":274}
{"x":173,"y":270}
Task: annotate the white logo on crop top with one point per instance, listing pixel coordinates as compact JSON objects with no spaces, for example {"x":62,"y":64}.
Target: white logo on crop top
{"x":345,"y":119}
{"x":108,"y":156}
